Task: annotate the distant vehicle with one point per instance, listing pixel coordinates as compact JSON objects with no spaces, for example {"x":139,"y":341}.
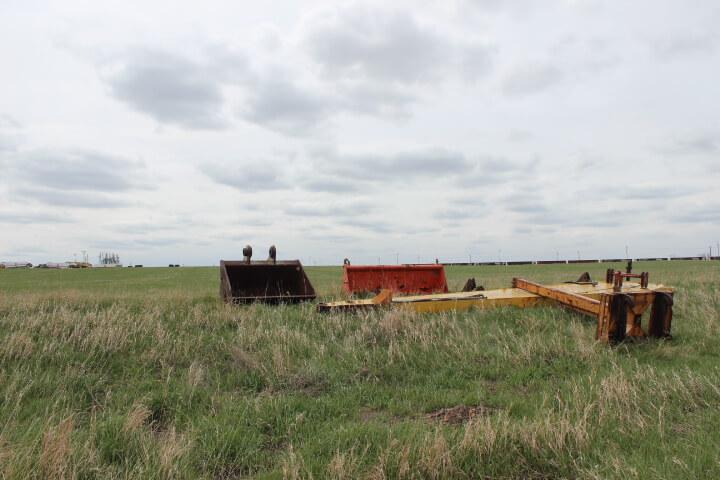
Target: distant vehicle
{"x":79,"y":265}
{"x":16,"y":265}
{"x":57,"y":266}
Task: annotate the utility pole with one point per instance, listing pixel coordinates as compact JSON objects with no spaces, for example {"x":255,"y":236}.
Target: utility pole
{"x":627,"y":255}
{"x":397,"y":258}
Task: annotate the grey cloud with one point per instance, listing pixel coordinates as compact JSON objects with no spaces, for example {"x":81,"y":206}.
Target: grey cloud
{"x":170,"y":88}
{"x":489,"y":170}
{"x":9,"y":134}
{"x":475,"y":61}
{"x":8,"y":143}
{"x":529,"y":207}
{"x":275,"y":100}
{"x":246,"y":226}
{"x":158,"y":242}
{"x":587,"y":161}
{"x":433,"y":163}
{"x":136,"y":243}
{"x":369,"y":98}
{"x":70,"y":198}
{"x":436,"y":163}
{"x":377,"y":227}
{"x":530,"y":79}
{"x":332,"y":238}
{"x":145,"y":228}
{"x":279,"y":104}
{"x":581,"y":55}
{"x":389,"y":46}
{"x":519,"y":136}
{"x":368,"y":62}
{"x":681,"y":45}
{"x":247,"y":178}
{"x":704,"y":143}
{"x":343,"y":210}
{"x":77,"y":170}
{"x":329,"y":184}
{"x":500,"y":6}
{"x":706,"y":214}
{"x":523,"y":230}
{"x":25,"y":218}
{"x":534,"y":210}
{"x":74,"y":178}
{"x":8,"y":123}
{"x":529,"y":203}
{"x":654,"y":192}
{"x":457,"y":213}
{"x":461,"y":208}
{"x":561,"y":218}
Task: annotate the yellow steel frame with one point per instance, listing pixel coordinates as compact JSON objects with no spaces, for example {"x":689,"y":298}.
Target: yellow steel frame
{"x":594,"y":299}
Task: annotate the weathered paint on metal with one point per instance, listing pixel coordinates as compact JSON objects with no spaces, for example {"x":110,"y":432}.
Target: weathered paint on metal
{"x":618,"y":314}
{"x":407,"y":279}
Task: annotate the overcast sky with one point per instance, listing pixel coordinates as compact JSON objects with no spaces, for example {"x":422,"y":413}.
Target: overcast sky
{"x":177,"y":132}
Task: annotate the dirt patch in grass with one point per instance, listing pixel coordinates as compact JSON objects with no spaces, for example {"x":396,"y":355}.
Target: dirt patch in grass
{"x":309,"y":384}
{"x":368,"y":414}
{"x":365,"y":375}
{"x":458,"y":414}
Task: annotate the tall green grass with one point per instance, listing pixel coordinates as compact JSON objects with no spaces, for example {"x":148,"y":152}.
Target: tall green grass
{"x":144,"y":373}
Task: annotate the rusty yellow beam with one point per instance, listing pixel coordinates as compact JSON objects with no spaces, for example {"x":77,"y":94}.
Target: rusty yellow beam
{"x":459,"y":301}
{"x":618,"y":313}
{"x":582,"y":303}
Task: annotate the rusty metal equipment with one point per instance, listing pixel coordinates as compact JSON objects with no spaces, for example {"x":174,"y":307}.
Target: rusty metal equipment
{"x":405,"y":279}
{"x":267,"y":281}
{"x":618,"y":309}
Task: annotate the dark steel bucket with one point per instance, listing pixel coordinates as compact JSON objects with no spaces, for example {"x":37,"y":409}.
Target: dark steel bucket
{"x":264,"y":281}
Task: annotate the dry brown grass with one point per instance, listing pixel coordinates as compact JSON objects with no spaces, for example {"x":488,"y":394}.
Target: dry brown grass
{"x":56,"y":455}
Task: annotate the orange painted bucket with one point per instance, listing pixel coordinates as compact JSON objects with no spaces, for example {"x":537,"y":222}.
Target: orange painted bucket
{"x":408,"y":279}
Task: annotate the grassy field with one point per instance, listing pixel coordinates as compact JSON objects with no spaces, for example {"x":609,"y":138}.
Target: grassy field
{"x":144,"y":373}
